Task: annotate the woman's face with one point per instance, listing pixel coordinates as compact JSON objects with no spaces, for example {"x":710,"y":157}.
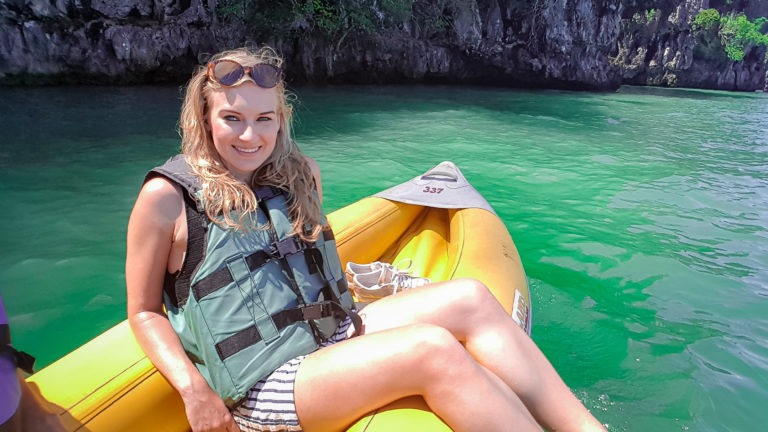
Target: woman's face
{"x":243,"y":123}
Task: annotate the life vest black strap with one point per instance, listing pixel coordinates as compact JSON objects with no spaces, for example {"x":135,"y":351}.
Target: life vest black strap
{"x":250,"y":336}
{"x":341,"y":286}
{"x":176,"y":169}
{"x":197,"y":229}
{"x":267,"y":192}
{"x":197,"y":223}
{"x":223,"y":277}
{"x":357,"y":322}
{"x":22,"y":360}
{"x":5,"y":334}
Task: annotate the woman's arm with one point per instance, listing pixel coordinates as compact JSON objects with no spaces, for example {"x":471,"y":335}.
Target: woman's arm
{"x":151,"y":229}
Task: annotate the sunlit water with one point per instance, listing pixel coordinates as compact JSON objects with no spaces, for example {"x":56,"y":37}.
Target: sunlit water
{"x":640,"y":217}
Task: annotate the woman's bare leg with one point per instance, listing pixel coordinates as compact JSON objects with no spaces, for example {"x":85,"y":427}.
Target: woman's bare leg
{"x":339,"y":384}
{"x":469,"y":311}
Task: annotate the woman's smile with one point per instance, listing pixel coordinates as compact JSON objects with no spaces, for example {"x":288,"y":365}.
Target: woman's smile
{"x":247,"y":150}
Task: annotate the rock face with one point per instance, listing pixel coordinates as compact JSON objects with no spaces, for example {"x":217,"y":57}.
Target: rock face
{"x":105,"y":41}
{"x":660,"y":49}
{"x":576,"y":44}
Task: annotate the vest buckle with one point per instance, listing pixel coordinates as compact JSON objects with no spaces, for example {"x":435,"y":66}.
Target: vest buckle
{"x":312,"y":312}
{"x":289,"y":246}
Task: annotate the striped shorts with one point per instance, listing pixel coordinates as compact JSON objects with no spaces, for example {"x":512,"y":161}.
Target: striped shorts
{"x":269,"y":405}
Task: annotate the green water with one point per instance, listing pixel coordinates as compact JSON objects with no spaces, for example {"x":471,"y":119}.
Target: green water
{"x":640,"y":217}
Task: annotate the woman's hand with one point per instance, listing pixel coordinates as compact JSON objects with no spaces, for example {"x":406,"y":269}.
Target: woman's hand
{"x":206,"y":411}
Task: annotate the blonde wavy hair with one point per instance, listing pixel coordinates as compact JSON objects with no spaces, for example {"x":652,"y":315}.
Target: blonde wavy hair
{"x":285,"y":168}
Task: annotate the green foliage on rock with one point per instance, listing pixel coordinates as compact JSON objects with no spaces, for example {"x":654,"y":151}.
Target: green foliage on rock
{"x":342,"y":20}
{"x":706,"y":20}
{"x":329,"y":18}
{"x":737,"y":33}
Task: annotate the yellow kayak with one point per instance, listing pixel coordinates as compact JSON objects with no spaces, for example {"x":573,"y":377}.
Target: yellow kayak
{"x":437,"y":220}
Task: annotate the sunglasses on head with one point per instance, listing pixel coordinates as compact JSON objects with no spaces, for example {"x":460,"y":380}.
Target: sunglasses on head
{"x":230,"y":72}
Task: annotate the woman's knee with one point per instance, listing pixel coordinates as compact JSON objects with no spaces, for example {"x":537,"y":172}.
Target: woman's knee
{"x":436,"y":351}
{"x":473,"y":295}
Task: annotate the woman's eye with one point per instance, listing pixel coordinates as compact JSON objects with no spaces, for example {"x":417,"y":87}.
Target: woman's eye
{"x":231,"y":118}
{"x":264,"y":118}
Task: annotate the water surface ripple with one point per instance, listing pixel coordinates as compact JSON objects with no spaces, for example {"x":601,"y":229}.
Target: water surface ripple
{"x":640,"y":217}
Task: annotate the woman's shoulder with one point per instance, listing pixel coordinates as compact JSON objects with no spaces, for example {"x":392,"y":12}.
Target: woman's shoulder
{"x":161,"y":197}
{"x":161,"y":186}
{"x":312,"y":164}
{"x":315,"y":169}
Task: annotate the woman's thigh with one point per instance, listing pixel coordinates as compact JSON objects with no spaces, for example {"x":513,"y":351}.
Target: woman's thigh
{"x":392,"y":363}
{"x":458,"y":306}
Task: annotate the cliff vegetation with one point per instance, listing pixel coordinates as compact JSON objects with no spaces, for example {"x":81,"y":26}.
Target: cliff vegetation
{"x":574,"y":44}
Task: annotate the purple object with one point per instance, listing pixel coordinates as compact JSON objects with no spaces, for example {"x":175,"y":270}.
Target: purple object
{"x":10,"y":392}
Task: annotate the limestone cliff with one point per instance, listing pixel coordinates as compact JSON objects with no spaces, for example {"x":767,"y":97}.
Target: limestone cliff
{"x":578,"y":44}
{"x":658,"y":47}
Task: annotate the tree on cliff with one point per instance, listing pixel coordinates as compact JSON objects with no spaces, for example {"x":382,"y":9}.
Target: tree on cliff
{"x":735,"y":33}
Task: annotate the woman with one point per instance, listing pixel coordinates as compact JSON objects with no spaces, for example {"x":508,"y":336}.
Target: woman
{"x":237,"y":157}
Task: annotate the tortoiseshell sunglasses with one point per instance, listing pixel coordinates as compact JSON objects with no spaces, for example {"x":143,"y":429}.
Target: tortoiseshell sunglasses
{"x":230,"y":72}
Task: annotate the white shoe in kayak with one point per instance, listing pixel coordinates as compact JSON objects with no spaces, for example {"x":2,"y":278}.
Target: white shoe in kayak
{"x":403,"y":266}
{"x":385,"y":281}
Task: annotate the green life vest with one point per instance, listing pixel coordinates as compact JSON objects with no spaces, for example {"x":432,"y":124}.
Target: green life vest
{"x":245,"y":302}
